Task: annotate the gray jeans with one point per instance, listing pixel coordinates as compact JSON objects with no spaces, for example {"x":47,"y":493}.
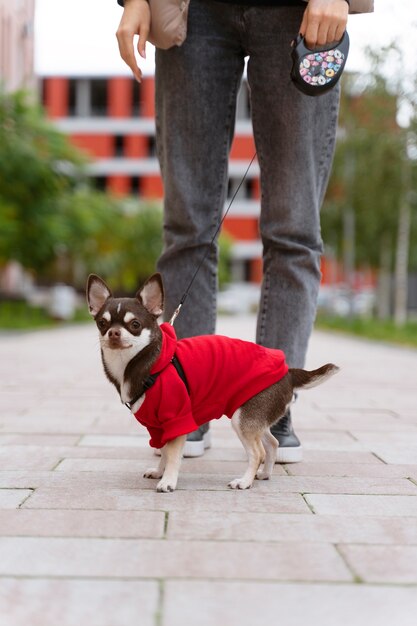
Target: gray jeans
{"x":196,"y":91}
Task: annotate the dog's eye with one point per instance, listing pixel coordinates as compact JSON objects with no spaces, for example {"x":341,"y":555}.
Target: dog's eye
{"x":102,"y":323}
{"x":135,"y":325}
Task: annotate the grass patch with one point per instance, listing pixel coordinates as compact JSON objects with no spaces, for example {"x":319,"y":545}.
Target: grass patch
{"x":371,"y":329}
{"x":18,"y":315}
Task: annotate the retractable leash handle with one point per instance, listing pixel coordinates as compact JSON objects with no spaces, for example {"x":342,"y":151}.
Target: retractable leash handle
{"x":186,"y":292}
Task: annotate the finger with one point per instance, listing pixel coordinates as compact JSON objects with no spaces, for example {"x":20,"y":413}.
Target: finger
{"x":311,"y":34}
{"x":323,"y":33}
{"x":303,"y":27}
{"x":125,"y":42}
{"x":332,"y":34}
{"x":143,"y":37}
{"x":340,"y":32}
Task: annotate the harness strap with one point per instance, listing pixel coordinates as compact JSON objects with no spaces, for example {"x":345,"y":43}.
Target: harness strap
{"x":150,"y":380}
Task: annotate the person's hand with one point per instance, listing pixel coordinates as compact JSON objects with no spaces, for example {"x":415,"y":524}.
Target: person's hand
{"x":324,"y":22}
{"x":136,"y":20}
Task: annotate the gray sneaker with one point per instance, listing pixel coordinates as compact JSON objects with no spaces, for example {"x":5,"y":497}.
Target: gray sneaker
{"x":197,"y":442}
{"x":290,"y":449}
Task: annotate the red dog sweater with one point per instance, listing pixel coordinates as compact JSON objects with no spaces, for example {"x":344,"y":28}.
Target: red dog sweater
{"x":222,"y":374}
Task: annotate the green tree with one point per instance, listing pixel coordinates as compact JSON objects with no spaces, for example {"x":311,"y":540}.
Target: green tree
{"x":37,"y":167}
{"x":368,"y":176}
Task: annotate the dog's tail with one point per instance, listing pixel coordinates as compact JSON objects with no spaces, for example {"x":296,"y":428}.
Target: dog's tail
{"x":306,"y":379}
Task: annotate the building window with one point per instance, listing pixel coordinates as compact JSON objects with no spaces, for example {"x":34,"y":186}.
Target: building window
{"x":152,"y":147}
{"x":72,"y":97}
{"x":98,"y":94}
{"x":119,"y":145}
{"x":136,"y":107}
{"x":245,"y":191}
{"x":100,"y":183}
{"x":134,"y":185}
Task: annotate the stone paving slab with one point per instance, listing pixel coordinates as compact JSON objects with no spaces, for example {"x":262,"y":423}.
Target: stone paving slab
{"x":46,"y":602}
{"x":72,"y":523}
{"x":383,"y":564}
{"x":352,"y":470}
{"x":249,"y":604}
{"x":13,"y":498}
{"x":334,"y":529}
{"x":85,"y":539}
{"x":127,"y":558}
{"x":363,"y":505}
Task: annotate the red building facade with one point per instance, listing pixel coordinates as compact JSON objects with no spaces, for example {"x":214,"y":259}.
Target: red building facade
{"x":112,"y":120}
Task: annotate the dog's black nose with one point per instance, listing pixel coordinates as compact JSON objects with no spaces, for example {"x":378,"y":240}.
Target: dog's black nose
{"x":114,"y":333}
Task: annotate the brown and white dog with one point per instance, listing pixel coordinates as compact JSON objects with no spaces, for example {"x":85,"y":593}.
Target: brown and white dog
{"x":133,"y":345}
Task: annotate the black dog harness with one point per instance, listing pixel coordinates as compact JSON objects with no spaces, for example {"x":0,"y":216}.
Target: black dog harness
{"x":150,"y":380}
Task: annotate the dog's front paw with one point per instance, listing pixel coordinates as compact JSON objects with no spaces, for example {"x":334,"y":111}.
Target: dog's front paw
{"x":240,"y":483}
{"x":165,"y":486}
{"x":152,"y":473}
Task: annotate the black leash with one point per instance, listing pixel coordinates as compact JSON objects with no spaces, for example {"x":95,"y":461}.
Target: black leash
{"x":186,"y":292}
{"x":149,"y":381}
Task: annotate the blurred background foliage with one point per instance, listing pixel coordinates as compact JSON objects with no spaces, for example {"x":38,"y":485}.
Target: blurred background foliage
{"x":55,"y":224}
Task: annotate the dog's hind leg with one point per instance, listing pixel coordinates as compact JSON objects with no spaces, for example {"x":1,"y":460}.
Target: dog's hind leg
{"x":270,"y":444}
{"x":251,"y":440}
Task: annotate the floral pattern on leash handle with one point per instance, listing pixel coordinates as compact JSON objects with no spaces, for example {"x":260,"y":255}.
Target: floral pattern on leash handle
{"x":316,"y":71}
{"x":320,"y":68}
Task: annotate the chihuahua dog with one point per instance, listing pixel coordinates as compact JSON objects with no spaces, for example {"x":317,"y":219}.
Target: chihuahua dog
{"x":172,"y":387}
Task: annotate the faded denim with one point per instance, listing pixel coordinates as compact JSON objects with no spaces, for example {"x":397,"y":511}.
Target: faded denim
{"x":196,"y":90}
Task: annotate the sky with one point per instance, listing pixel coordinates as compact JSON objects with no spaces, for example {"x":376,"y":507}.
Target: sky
{"x":77,"y":37}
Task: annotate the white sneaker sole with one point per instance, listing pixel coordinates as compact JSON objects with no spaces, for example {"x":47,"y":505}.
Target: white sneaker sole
{"x":193,"y":448}
{"x":289,"y":454}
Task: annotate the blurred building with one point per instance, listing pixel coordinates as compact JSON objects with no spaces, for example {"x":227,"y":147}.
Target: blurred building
{"x":17,"y":44}
{"x":112,"y":119}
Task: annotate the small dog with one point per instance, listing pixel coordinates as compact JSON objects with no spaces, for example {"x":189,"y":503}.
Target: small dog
{"x":172,"y":387}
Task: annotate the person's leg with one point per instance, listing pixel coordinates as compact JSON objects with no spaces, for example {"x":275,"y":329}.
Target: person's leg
{"x":295,"y":138}
{"x":196,"y":90}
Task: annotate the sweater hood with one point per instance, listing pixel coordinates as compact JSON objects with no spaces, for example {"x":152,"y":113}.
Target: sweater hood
{"x":169,"y":346}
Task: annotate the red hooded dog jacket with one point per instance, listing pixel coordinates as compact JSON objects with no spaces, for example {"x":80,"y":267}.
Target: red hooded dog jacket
{"x":222,"y":374}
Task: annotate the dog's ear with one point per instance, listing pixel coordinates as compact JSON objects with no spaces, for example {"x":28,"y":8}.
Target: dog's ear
{"x":151,"y":295}
{"x":97,"y":294}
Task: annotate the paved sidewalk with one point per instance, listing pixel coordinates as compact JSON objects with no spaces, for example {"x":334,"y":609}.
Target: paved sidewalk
{"x":86,"y":541}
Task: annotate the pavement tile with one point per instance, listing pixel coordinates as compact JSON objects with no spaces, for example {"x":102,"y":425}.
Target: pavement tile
{"x":115,"y":524}
{"x":40,"y":425}
{"x":395,"y":454}
{"x":405,"y":438}
{"x":78,"y":602}
{"x":115,"y":441}
{"x":39,"y":440}
{"x":144,"y":452}
{"x":216,"y":603}
{"x":383,"y":564}
{"x":359,"y":505}
{"x":13,"y":498}
{"x":26,"y":459}
{"x":381,"y":420}
{"x":134,"y":499}
{"x":143,"y":558}
{"x":340,"y":456}
{"x":225,"y":526}
{"x":351,"y":470}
